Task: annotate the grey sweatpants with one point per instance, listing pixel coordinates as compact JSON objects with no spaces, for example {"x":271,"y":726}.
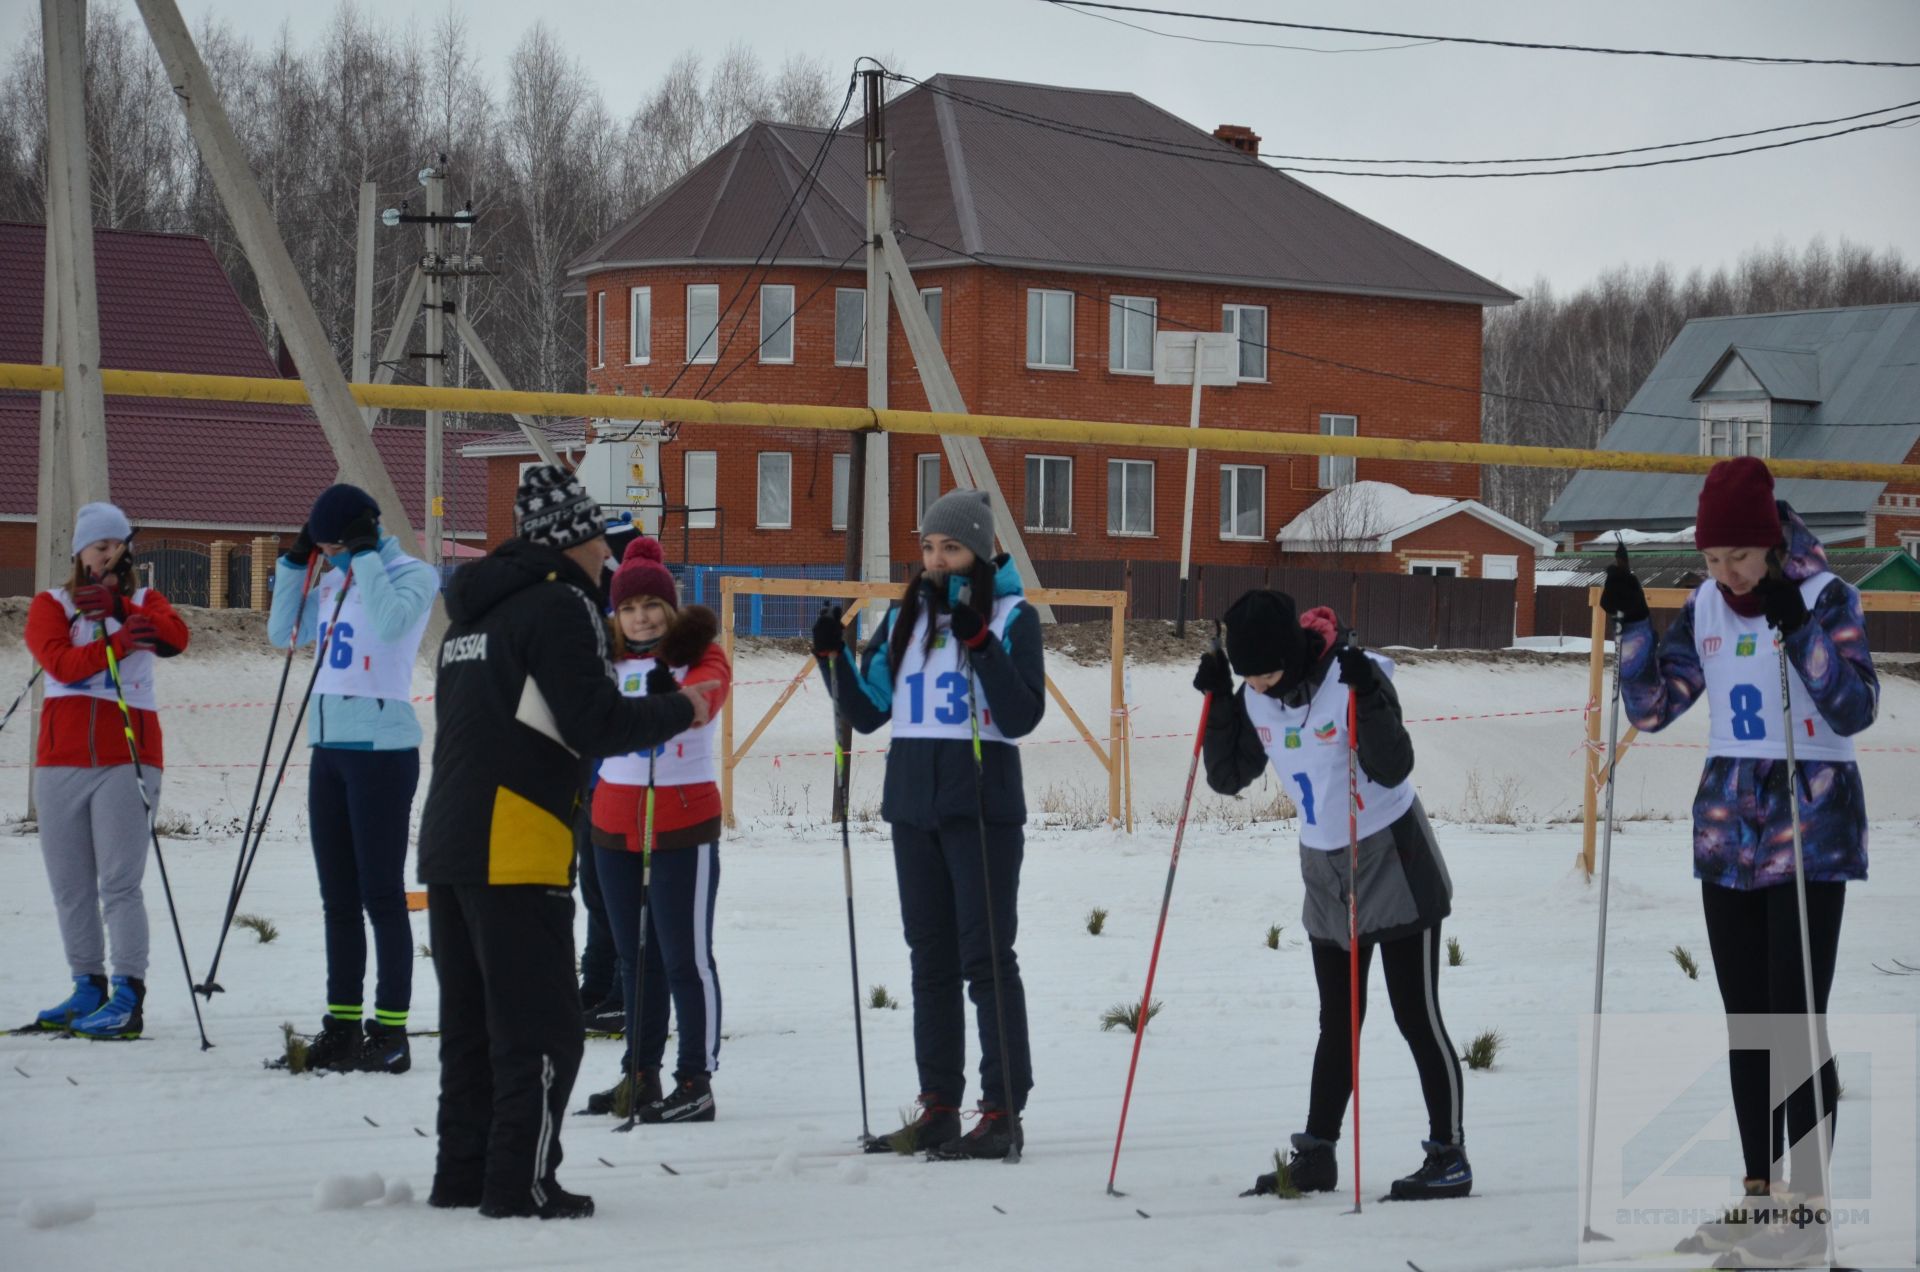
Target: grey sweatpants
{"x":93,"y":835}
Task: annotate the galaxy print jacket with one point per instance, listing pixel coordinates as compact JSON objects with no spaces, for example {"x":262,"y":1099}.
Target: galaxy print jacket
{"x":1742,"y":818}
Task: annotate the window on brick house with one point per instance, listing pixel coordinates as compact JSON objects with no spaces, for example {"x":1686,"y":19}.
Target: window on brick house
{"x":640,"y":325}
{"x":1049,"y":493}
{"x":926,"y":486}
{"x":599,"y":328}
{"x":1130,"y":496}
{"x":1050,"y":329}
{"x":703,"y":322}
{"x":842,"y":471}
{"x":1337,"y":470}
{"x":1243,"y":502}
{"x":1249,"y":322}
{"x":930,"y":298}
{"x":1130,"y":330}
{"x":776,"y":323}
{"x":1451,"y":569}
{"x":702,"y":493}
{"x":773,"y":509}
{"x":849,"y":327}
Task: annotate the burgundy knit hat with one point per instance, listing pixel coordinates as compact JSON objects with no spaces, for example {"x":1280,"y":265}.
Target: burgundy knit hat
{"x":1737,"y":508}
{"x":642,"y":574}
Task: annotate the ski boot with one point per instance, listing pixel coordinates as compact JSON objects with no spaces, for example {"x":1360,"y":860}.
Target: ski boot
{"x":385,"y":1049}
{"x":119,"y":1018}
{"x":690,"y":1101}
{"x":1444,"y":1174}
{"x":1735,"y":1224}
{"x":337,"y":1046}
{"x":1797,"y":1241}
{"x":605,"y":1019}
{"x":1310,"y":1168}
{"x":616,"y":1099}
{"x":556,"y":1203}
{"x":935,"y":1124}
{"x":993,"y":1137}
{"x":88,"y":996}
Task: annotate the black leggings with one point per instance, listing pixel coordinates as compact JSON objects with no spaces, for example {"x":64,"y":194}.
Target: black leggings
{"x":1412,"y":965}
{"x":1755,"y":939}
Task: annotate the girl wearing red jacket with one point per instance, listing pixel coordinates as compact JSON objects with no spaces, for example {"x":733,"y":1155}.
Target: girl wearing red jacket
{"x":657,"y":648}
{"x":93,"y":820}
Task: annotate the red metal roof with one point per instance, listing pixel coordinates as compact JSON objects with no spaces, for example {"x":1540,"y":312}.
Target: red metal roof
{"x":166,"y":305}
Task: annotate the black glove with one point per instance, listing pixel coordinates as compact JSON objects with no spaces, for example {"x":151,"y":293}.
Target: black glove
{"x":361,"y":535}
{"x":1622,"y":595}
{"x":302,"y":550}
{"x":829,"y":633}
{"x":933,"y":594}
{"x":969,"y":628}
{"x":1780,"y":601}
{"x":661,"y":680}
{"x":1357,"y":671}
{"x":1215,"y":675}
{"x":99,"y":602}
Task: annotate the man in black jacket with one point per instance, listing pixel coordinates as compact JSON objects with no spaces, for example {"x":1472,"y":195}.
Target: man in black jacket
{"x":526,"y":699}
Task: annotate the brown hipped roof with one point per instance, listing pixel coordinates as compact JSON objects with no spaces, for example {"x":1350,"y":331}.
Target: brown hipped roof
{"x":1034,"y":176}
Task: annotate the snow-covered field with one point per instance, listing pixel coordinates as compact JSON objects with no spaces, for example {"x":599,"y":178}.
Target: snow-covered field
{"x":199,"y":1160}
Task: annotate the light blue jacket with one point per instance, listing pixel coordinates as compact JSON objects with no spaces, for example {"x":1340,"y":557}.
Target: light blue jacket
{"x":394,"y":599}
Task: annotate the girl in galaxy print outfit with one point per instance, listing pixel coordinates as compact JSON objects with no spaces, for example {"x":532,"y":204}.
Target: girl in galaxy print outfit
{"x":1769,"y":582}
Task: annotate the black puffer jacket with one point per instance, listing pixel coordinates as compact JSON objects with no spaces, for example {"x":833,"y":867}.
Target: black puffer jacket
{"x":526,"y":700}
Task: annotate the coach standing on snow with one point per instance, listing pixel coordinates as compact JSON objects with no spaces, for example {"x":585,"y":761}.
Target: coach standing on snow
{"x":526,"y":698}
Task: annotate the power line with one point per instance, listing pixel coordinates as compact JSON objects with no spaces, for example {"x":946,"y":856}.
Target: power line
{"x":1751,"y":59}
{"x":1401,"y":377}
{"x":1201,"y":152}
{"x":792,"y":320}
{"x":1251,"y":44}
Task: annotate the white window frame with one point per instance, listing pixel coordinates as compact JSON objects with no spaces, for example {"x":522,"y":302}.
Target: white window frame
{"x":926,"y":486}
{"x":840,"y":487}
{"x":1122,"y":313}
{"x":1120,"y":465}
{"x":1332,"y":467}
{"x":841,"y":296}
{"x":639,"y":326}
{"x":1452,"y":569}
{"x":1230,"y":322}
{"x":709,"y":515}
{"x":760,"y":521}
{"x":771,"y":339}
{"x":1489,"y":562}
{"x":711,"y":344}
{"x":600,"y":328}
{"x":1910,"y":541}
{"x":1737,"y":427}
{"x":1038,"y":300}
{"x":935,"y":307}
{"x":1229,"y":515}
{"x":1043,"y":461}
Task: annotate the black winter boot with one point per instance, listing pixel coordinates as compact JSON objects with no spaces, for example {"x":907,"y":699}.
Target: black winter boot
{"x":993,"y":1137}
{"x":691,"y":1100}
{"x":936,"y":1122}
{"x":337,"y":1046}
{"x":558,"y":1204}
{"x":1311,"y":1168}
{"x":385,"y":1049}
{"x":616,"y":1100}
{"x":1444,"y":1174}
{"x":605,"y":1019}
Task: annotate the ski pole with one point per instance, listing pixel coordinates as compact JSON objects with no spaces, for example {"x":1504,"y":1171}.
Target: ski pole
{"x":1353,"y":921}
{"x":640,"y":957}
{"x":210,"y":986}
{"x":32,"y":680}
{"x":153,"y":833}
{"x":993,"y":935}
{"x":1817,"y":1064}
{"x":1600,"y":942}
{"x":273,"y":723}
{"x":1153,"y":961}
{"x":843,"y":779}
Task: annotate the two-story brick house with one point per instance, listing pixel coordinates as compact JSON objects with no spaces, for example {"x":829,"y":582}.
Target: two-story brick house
{"x":1052,"y":232}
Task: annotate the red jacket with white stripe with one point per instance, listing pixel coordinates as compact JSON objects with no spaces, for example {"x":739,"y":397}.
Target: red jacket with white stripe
{"x":83,"y":732}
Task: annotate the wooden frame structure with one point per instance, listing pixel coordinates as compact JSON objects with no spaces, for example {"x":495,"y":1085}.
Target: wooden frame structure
{"x":1596,"y":762}
{"x":1116,"y":758}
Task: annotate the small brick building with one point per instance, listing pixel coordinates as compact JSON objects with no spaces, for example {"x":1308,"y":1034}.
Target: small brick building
{"x":1048,"y":260}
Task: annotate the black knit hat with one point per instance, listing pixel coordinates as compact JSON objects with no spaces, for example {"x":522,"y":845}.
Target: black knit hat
{"x":337,"y":508}
{"x":1264,"y":636}
{"x":553,"y":508}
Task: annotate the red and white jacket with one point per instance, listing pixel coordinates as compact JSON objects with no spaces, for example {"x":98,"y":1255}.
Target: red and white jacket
{"x":80,"y":727}
{"x":683,"y":815}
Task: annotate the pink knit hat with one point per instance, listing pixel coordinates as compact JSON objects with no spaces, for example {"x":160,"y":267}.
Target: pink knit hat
{"x":642,"y":574}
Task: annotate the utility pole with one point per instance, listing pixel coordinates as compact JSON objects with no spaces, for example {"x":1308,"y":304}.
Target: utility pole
{"x":363,"y":284}
{"x":435,"y":179}
{"x":875,"y":531}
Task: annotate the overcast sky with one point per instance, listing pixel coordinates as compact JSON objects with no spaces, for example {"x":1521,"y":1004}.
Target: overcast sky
{"x":1434,"y":101}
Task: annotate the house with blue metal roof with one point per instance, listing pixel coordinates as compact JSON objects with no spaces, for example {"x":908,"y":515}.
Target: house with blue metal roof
{"x":1837,"y":384}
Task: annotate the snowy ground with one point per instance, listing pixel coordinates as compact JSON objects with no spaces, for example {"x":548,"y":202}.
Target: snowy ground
{"x":205,"y":1159}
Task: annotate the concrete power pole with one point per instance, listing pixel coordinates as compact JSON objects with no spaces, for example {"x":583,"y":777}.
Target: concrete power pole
{"x":435,"y":180}
{"x":876,"y":548}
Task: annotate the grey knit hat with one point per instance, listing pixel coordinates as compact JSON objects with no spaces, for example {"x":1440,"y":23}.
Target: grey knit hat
{"x":553,"y":508}
{"x":965,"y":516}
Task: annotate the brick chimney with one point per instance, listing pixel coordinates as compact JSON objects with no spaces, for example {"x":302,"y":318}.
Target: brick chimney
{"x":1240,"y":137}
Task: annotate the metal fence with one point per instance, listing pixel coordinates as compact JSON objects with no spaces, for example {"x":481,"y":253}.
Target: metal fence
{"x":779,"y":616}
{"x":182,"y":569}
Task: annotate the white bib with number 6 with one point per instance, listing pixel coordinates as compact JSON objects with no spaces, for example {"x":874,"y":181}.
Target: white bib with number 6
{"x":355,"y":662}
{"x":930,"y":687}
{"x":1743,"y":684}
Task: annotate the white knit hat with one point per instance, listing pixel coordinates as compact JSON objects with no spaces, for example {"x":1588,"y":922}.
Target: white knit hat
{"x":97,"y":521}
